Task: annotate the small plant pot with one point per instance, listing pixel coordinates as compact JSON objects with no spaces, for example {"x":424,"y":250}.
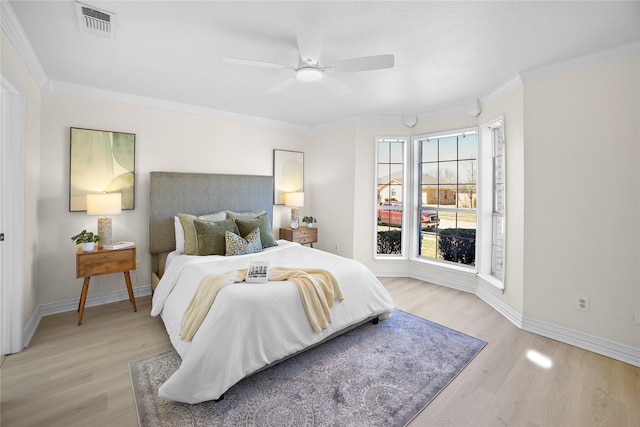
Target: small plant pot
{"x":309,"y":225}
{"x":88,"y":247}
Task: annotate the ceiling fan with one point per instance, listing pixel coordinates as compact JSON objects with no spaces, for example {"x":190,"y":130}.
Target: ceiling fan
{"x":309,"y":68}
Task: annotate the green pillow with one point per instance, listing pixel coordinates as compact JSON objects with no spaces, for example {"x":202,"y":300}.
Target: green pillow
{"x":236,"y":245}
{"x":211,"y":236}
{"x":234,"y":215}
{"x":190,"y":237}
{"x":246,"y":225}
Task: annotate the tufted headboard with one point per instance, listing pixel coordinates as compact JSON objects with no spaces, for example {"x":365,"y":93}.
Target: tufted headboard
{"x":198,"y":194}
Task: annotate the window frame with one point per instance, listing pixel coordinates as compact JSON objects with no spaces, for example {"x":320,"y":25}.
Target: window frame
{"x":404,"y":254}
{"x":485,"y":206}
{"x":416,"y":194}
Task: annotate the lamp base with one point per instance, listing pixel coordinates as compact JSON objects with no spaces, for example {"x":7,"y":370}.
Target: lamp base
{"x":104,"y":231}
{"x":295,"y":218}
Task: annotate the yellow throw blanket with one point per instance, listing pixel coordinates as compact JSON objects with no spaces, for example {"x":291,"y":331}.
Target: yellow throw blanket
{"x":318,"y":289}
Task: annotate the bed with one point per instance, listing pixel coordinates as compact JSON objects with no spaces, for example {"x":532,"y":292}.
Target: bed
{"x":250,"y":326}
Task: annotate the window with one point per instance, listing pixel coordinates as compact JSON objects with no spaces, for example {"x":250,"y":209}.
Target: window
{"x":390,"y":188}
{"x":444,"y":200}
{"x":447,"y":181}
{"x":493,"y":212}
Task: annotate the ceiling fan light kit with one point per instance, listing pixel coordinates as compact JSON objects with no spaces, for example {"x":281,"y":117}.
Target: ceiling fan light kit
{"x":308,"y":74}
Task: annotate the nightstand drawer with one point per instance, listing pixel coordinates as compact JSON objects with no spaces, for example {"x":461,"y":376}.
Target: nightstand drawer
{"x":105,"y":261}
{"x":299,"y":235}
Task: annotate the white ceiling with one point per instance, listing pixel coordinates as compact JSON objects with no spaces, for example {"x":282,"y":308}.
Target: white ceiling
{"x":447,"y":54}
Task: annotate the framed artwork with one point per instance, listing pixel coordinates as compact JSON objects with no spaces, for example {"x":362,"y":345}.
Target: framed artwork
{"x":101,"y":162}
{"x":288,"y":174}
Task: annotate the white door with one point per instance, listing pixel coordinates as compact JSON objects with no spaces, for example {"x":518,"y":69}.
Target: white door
{"x":12,"y":140}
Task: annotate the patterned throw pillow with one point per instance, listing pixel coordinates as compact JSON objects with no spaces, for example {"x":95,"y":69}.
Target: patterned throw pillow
{"x":237,"y":245}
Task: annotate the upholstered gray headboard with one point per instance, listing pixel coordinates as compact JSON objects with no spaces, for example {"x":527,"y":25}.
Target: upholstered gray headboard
{"x":198,"y":194}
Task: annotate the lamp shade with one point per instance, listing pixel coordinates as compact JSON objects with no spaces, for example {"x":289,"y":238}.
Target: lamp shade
{"x":104,"y":204}
{"x":295,"y":199}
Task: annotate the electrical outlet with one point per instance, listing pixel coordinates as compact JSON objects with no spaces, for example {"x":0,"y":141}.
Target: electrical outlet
{"x":336,"y":248}
{"x":582,"y":303}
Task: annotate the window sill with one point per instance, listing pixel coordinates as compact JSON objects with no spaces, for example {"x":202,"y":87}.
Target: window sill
{"x":446,"y":266}
{"x":493,"y":281}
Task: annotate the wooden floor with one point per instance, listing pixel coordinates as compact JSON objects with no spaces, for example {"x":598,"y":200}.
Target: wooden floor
{"x":79,"y":376}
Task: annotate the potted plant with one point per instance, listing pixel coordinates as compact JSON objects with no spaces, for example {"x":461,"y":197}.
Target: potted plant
{"x":87,"y":239}
{"x":309,"y":220}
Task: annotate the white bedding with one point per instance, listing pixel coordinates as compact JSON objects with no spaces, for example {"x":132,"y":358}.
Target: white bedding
{"x":252,"y":325}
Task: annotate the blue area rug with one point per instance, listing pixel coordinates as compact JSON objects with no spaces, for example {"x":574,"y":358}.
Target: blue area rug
{"x":373,"y":375}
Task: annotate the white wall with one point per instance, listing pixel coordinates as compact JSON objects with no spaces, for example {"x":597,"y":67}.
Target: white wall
{"x":582,"y":198}
{"x":330,"y":177}
{"x":165,"y":141}
{"x":15,"y":66}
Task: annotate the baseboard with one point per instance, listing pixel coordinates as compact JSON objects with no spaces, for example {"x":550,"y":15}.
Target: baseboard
{"x":499,"y":305}
{"x":72,"y":305}
{"x":614,"y":350}
{"x":604,"y":347}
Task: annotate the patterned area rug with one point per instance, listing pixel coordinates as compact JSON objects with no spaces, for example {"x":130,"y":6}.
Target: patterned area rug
{"x":373,"y":375}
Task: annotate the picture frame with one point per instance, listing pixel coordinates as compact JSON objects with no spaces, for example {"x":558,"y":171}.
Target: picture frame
{"x":288,"y":173}
{"x":101,"y":162}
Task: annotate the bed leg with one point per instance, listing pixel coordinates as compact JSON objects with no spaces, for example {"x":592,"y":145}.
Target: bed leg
{"x":375,"y":321}
{"x":220,"y":398}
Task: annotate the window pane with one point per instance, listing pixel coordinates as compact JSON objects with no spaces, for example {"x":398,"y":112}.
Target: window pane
{"x":467,"y":196}
{"x":384,"y":174}
{"x":429,"y":173}
{"x":383,"y":152}
{"x":448,"y":148}
{"x":447,"y":195}
{"x":457,"y":238}
{"x":468,"y":147}
{"x":429,"y":148}
{"x":396,"y":152}
{"x":468,"y":172}
{"x":429,"y":195}
{"x":448,"y":172}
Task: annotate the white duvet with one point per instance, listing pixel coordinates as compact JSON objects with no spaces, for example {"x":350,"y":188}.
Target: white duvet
{"x":251,"y":325}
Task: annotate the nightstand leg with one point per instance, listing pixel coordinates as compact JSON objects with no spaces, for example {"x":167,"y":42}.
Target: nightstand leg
{"x":132,"y":298}
{"x":83,"y":299}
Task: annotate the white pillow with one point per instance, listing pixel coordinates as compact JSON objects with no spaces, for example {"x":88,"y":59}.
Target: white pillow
{"x":179,"y":234}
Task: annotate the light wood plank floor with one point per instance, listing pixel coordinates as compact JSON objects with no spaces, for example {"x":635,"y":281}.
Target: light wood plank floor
{"x":79,"y":376}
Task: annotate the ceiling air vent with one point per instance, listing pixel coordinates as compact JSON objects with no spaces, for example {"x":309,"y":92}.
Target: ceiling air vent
{"x":95,"y":21}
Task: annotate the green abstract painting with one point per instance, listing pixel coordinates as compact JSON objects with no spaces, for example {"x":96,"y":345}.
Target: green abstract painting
{"x":101,"y":162}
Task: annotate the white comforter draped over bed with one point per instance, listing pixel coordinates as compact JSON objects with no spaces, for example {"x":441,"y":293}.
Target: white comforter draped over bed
{"x":252,"y":325}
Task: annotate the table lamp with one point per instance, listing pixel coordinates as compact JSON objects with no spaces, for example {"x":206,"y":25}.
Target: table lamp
{"x":104,"y":204}
{"x":294,"y":200}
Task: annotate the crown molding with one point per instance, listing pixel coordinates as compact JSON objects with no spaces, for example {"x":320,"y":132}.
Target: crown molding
{"x":55,"y":86}
{"x":18,"y":38}
{"x":514,"y":83}
{"x":597,"y":58}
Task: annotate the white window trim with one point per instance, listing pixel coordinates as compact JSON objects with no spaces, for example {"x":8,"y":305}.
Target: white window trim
{"x":485,"y":205}
{"x":404,"y":255}
{"x":415,"y":152}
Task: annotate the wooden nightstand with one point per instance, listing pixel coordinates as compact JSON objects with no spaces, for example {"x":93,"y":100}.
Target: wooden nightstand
{"x":104,"y":261}
{"x":302,"y":235}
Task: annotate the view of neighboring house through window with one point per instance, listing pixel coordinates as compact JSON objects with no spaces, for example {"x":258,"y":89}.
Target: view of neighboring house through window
{"x":447,"y":183}
{"x":390,"y":155}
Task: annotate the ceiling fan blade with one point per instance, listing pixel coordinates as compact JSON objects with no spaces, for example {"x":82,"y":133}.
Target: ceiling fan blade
{"x":335,"y":86}
{"x":281,"y":86}
{"x":364,"y":63}
{"x":309,"y":43}
{"x":254,"y":63}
